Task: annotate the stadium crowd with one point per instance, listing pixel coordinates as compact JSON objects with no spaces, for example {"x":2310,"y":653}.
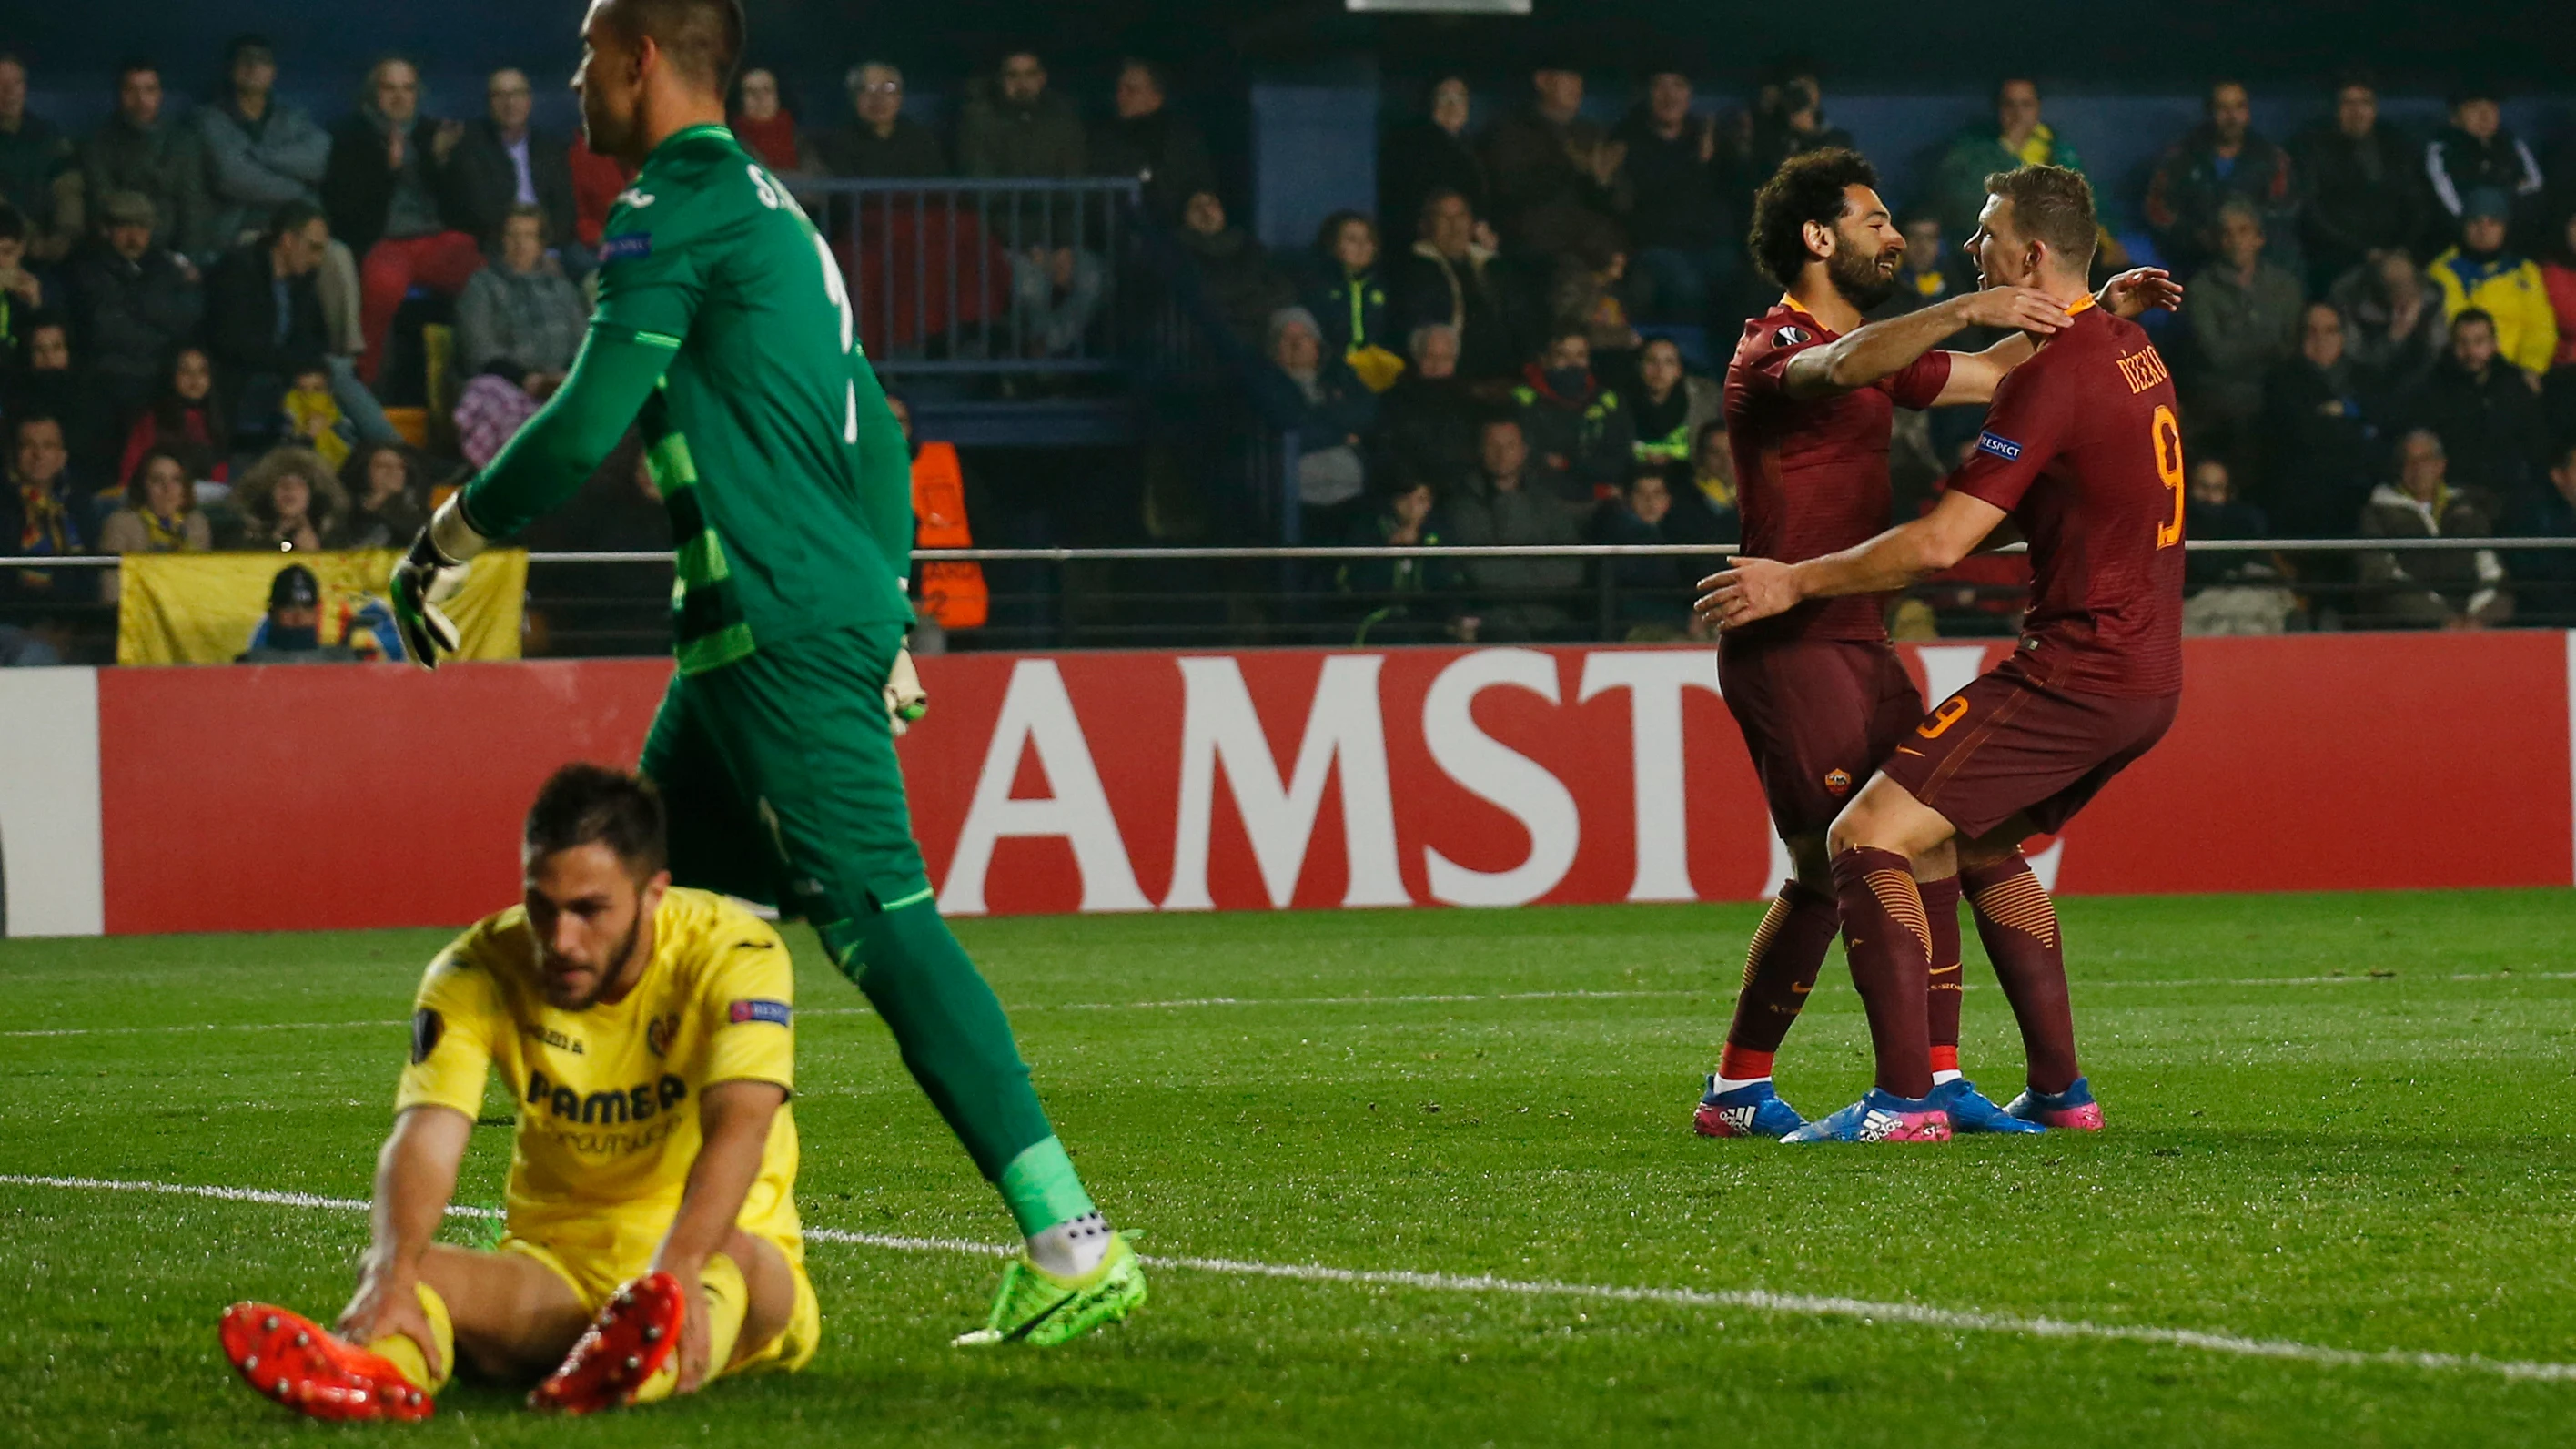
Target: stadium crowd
{"x":204,"y":319}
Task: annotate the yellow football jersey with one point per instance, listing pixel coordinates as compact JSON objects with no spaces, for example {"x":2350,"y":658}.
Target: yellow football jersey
{"x":607,"y":1097}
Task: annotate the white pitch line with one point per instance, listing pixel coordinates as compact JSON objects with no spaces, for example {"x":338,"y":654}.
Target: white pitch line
{"x":1798,"y":1305}
{"x":1428,"y":999}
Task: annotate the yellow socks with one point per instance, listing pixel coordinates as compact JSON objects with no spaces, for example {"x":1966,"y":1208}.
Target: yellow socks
{"x":399,"y":1350}
{"x":728,"y":1298}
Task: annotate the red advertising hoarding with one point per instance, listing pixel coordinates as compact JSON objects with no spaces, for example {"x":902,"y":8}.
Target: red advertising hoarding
{"x":292,"y":798}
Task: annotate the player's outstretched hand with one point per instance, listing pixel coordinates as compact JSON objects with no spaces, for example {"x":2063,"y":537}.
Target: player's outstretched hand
{"x":389,"y":1303}
{"x":2141,"y":290}
{"x":1755,"y":588}
{"x":905,"y":699}
{"x":422,"y":584}
{"x":695,"y":1342}
{"x":2026,"y":309}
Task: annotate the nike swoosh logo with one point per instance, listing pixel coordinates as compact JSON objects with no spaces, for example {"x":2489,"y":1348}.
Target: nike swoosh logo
{"x":1902,"y":750}
{"x":1801,"y":990}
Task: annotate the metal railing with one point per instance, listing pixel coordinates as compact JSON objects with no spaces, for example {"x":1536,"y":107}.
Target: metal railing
{"x":959,"y":276}
{"x":615,"y":603}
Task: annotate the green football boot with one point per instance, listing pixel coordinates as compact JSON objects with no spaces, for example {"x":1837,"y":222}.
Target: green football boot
{"x":1035,"y":1306}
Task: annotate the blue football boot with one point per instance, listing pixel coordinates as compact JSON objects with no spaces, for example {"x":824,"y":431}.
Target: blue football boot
{"x":1880,"y":1117}
{"x":1973,"y":1111}
{"x":2072,"y":1110}
{"x":1754,"y":1111}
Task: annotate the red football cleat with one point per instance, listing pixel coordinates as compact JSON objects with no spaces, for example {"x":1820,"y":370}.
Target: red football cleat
{"x":629,"y":1342}
{"x":286,"y":1356}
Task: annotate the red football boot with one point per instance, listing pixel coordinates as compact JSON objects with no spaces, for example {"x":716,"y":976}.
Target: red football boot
{"x":628,"y":1343}
{"x":286,"y":1356}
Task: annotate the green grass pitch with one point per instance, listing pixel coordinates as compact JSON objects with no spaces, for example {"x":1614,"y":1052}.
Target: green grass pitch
{"x":2334,"y":1125}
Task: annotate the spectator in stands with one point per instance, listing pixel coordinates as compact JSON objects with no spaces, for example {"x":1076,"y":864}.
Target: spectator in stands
{"x":1710,"y":495}
{"x":491,"y":408}
{"x":2222,"y":160}
{"x":1688,"y":245}
{"x":1450,"y":279}
{"x":1432,"y":155}
{"x":1348,"y":297}
{"x":2016,"y":137}
{"x":766,"y":125}
{"x":261,"y":152}
{"x":2487,"y":415}
{"x":1589,"y":294}
{"x":47,"y":385}
{"x":880,"y":141}
{"x":288,"y":502}
{"x":186,"y":421}
{"x":1426,"y":423}
{"x":291,"y":631}
{"x":1556,"y":174}
{"x":2432,"y":589}
{"x":35,"y":166}
{"x":1580,"y":436}
{"x":1654,"y":594}
{"x":40,"y":516}
{"x":1151,"y":142}
{"x":2320,"y":433}
{"x":1789,"y":118}
{"x":132,"y":304}
{"x":2228,"y":593}
{"x":139,"y":150}
{"x":22,"y":292}
{"x":1235,"y":275}
{"x":2244,"y":318}
{"x":388,"y":504}
{"x":2484,"y":272}
{"x":310,"y":417}
{"x":1497,"y":504}
{"x":2545,"y":579}
{"x":502,"y":163}
{"x":2475,"y":152}
{"x":1306,"y":392}
{"x":2394,"y":329}
{"x":1670,"y":405}
{"x":160,"y":513}
{"x":2365,"y":188}
{"x":1931,"y":270}
{"x":521,"y":311}
{"x":264,"y":310}
{"x":1406,"y":598}
{"x":392,"y":195}
{"x":1015,"y":127}
{"x":2557,"y":279}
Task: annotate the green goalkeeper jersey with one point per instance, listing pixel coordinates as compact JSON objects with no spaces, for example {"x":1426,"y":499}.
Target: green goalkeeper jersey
{"x":785,"y":476}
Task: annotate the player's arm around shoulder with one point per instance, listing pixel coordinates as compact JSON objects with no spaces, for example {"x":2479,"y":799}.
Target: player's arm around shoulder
{"x":1868,"y":355}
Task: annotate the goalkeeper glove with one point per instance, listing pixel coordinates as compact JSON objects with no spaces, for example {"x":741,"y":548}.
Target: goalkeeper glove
{"x":430,"y":575}
{"x":905,"y":699}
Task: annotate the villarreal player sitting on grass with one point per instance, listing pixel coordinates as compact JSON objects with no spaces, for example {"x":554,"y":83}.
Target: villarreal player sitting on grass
{"x":645,"y":1033}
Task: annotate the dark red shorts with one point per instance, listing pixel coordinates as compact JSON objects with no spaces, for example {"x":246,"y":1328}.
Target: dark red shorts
{"x":2008,"y":745}
{"x":1818,"y":715}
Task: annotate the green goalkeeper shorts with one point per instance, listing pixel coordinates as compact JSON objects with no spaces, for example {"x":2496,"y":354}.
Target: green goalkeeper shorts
{"x":779,"y":776}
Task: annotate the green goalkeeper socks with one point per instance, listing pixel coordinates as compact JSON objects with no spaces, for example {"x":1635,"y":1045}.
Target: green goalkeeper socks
{"x":958,"y":1045}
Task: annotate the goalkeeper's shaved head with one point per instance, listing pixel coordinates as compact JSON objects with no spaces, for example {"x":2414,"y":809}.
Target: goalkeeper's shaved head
{"x":701,"y":39}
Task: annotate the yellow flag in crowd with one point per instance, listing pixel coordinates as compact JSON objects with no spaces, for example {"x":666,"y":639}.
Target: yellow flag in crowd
{"x":201,"y":608}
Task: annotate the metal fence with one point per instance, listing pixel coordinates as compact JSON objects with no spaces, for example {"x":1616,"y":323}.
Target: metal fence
{"x":603,"y":604}
{"x":951,"y":277}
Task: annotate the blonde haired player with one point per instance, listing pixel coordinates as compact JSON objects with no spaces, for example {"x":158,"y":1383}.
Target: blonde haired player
{"x":646,"y":1033}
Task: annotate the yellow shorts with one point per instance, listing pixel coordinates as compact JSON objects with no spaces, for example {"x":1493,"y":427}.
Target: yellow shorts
{"x":593,"y":1278}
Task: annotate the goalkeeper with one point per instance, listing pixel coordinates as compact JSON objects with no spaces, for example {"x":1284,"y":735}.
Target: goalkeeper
{"x":724,"y":331}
